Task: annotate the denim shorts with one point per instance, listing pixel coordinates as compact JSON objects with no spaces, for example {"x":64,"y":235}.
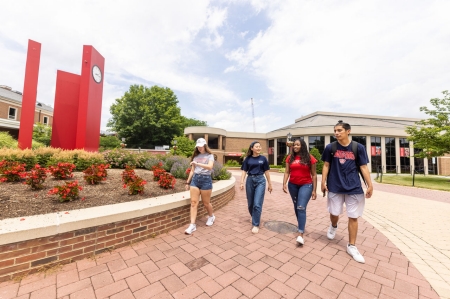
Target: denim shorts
{"x":202,"y":181}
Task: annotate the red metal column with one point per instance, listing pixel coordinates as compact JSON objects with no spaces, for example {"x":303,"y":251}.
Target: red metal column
{"x":65,"y":113}
{"x":29,"y":94}
{"x":90,"y":103}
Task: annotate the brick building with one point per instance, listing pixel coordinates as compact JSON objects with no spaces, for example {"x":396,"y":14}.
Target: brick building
{"x":384,"y":137}
{"x":10,"y":111}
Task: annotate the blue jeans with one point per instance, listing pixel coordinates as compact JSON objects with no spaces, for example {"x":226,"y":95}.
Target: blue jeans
{"x":255,"y":187}
{"x":300,"y":195}
{"x":202,"y":181}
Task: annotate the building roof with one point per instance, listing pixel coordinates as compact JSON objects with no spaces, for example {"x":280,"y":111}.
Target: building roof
{"x":16,"y":96}
{"x":321,"y":119}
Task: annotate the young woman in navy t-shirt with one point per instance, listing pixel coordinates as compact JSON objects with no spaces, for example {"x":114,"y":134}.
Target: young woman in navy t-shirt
{"x":255,"y":167}
{"x":301,"y":171}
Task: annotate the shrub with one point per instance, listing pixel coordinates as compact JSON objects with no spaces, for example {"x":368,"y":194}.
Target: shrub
{"x":67,"y":192}
{"x":44,"y":154}
{"x":157,"y":171}
{"x":136,"y":186}
{"x":95,"y":173}
{"x":128,"y":175}
{"x":219,"y":172}
{"x":36,"y":177}
{"x":119,"y":158}
{"x":7,"y":141}
{"x":83,"y":159}
{"x":109,"y":142}
{"x":232,"y":163}
{"x":62,"y":156}
{"x":62,"y":170}
{"x":11,"y":171}
{"x":179,"y":169}
{"x":166,"y":180}
{"x":152,"y":161}
{"x":319,"y":165}
{"x":170,"y":160}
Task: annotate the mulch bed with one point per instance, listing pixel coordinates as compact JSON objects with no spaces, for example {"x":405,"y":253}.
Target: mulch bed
{"x":18,"y":200}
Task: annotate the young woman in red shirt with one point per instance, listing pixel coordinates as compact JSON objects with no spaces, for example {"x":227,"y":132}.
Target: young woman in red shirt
{"x":301,"y":172}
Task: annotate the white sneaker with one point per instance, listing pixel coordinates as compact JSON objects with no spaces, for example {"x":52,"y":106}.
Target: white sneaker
{"x":353,"y":251}
{"x":210,"y":220}
{"x":255,"y":229}
{"x":192,"y":228}
{"x":331,"y":232}
{"x":300,"y":240}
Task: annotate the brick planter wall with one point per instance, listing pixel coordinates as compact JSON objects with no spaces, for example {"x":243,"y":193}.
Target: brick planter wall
{"x":17,"y":259}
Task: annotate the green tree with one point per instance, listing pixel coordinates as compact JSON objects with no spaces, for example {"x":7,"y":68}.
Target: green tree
{"x":146,"y":116}
{"x":192,"y":122}
{"x":42,"y":133}
{"x":109,"y":142}
{"x":316,"y":154}
{"x":433,"y":134}
{"x":185,"y":147}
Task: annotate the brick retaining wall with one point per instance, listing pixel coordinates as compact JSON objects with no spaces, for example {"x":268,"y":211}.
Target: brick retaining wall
{"x":21,"y":258}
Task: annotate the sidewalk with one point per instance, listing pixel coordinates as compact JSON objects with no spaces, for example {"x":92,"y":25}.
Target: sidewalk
{"x":228,"y":261}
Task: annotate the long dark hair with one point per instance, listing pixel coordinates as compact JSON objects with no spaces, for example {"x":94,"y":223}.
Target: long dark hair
{"x":305,"y":158}
{"x":249,"y":151}
{"x":197,"y":152}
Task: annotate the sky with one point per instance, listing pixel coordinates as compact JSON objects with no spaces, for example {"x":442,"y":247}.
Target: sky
{"x":292,"y":57}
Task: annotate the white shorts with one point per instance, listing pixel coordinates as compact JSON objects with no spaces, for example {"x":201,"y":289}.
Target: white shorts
{"x":354,"y":204}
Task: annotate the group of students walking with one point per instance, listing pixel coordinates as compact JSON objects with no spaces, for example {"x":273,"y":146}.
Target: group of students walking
{"x":343,"y":160}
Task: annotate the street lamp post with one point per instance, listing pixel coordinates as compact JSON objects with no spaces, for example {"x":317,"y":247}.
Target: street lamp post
{"x":289,"y":141}
{"x":175,"y":147}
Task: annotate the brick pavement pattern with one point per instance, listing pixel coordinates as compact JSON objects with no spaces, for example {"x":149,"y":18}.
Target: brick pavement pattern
{"x":228,"y":261}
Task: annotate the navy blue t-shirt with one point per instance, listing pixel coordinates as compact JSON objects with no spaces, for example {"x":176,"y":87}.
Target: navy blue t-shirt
{"x":343,"y":175}
{"x":255,"y":165}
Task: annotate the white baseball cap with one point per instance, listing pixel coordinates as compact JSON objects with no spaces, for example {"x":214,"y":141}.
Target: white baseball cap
{"x":200,"y":142}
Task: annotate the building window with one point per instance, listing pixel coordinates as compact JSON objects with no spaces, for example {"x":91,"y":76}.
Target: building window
{"x":360,"y":139}
{"x":281,"y":150}
{"x":390,"y":155}
{"x":332,"y":139}
{"x":45,"y":120}
{"x":224,"y":141}
{"x":213,"y":142}
{"x":12,"y":114}
{"x":317,"y":142}
{"x":270,"y":151}
{"x":404,"y":156}
{"x":375,"y":150}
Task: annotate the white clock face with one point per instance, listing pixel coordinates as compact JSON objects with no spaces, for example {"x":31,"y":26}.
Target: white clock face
{"x":97,"y":74}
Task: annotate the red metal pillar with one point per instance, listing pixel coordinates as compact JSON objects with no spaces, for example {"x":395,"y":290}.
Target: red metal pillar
{"x":65,"y":113}
{"x":90,"y":103}
{"x":29,"y":94}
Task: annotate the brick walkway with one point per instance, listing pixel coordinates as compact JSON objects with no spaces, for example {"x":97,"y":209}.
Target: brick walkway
{"x":228,"y":261}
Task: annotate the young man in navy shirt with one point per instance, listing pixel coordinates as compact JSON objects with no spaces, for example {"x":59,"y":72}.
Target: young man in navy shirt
{"x":340,"y":177}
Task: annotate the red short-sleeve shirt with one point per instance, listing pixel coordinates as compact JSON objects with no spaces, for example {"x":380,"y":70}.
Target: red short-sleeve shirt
{"x":300,"y":174}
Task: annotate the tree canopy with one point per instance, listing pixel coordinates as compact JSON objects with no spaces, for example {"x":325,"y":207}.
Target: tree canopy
{"x":433,"y":134}
{"x":184,"y":146}
{"x":148,"y":116}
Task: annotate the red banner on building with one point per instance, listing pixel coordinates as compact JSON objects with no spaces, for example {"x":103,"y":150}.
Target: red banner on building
{"x":404,"y":152}
{"x":376,"y":150}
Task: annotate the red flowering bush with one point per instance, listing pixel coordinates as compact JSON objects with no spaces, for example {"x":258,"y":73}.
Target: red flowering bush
{"x":36,"y":177}
{"x":188,"y":171}
{"x":128,"y":175}
{"x":62,"y":170}
{"x":157,"y":171}
{"x":136,"y":186}
{"x":95,"y":173}
{"x":67,"y":192}
{"x":166,"y":180}
{"x":11,"y":171}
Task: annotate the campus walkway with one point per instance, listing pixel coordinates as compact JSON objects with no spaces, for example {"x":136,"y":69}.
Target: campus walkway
{"x":404,"y":239}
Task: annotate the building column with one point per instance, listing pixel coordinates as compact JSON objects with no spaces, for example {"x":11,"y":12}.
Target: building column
{"x":369,"y":152}
{"x":190,"y":136}
{"x":306,"y":139}
{"x":220,"y":142}
{"x":425,"y":166}
{"x":327,"y":140}
{"x":397,"y":155}
{"x":411,"y":157}
{"x":206,"y":138}
{"x":275,"y":151}
{"x":383,"y":154}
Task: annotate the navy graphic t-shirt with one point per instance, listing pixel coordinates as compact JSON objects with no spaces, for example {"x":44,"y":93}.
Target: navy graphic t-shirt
{"x":255,"y":165}
{"x":343,"y":176}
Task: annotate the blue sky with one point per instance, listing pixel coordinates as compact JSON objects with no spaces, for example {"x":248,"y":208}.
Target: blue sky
{"x":292,"y":57}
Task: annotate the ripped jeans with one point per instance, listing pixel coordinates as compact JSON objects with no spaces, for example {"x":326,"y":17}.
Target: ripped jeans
{"x":300,"y":194}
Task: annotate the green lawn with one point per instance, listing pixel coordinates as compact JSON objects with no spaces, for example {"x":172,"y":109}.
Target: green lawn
{"x":429,"y":182}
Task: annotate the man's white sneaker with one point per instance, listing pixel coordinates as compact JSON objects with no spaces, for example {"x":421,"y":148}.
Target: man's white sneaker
{"x":210,"y":220}
{"x":255,"y":229}
{"x":353,"y":251}
{"x":300,"y":240}
{"x":331,"y":232}
{"x":192,"y":228}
